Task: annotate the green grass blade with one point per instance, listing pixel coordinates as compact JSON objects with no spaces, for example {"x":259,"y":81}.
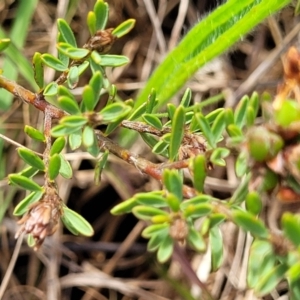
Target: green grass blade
{"x":208,"y":39}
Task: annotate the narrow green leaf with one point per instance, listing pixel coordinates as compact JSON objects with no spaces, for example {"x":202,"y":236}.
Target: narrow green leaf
{"x":234,"y":131}
{"x":29,"y":172}
{"x":150,"y":199}
{"x":88,"y":136}
{"x":216,"y":242}
{"x":4,"y":43}
{"x":31,"y":158}
{"x":73,"y":121}
{"x":66,"y":32}
{"x":124,"y":207}
{"x":94,"y":149}
{"x":138,"y":112}
{"x":205,"y":41}
{"x":64,"y":91}
{"x":218,"y":126}
{"x":38,"y":69}
{"x":198,"y":210}
{"x":151,"y":102}
{"x":165,"y":249}
{"x":123,"y":28}
{"x":291,"y":227}
{"x":88,"y":98}
{"x":240,"y":112}
{"x":69,"y":105}
{"x":240,"y":193}
{"x":186,"y":98}
{"x":161,"y":148}
{"x":34,"y":133}
{"x":241,"y":164}
{"x":23,"y":206}
{"x":173,"y":202}
{"x":54,"y":166}
{"x":155,"y":229}
{"x":173,"y":182}
{"x":57,"y":146}
{"x":53,"y":62}
{"x":212,"y":116}
{"x":78,"y":222}
{"x":101,"y":11}
{"x":24,"y":182}
{"x":218,"y":155}
{"x":199,"y":172}
{"x":254,"y":203}
{"x":101,"y":163}
{"x":177,"y":132}
{"x":195,"y":240}
{"x":195,"y":201}
{"x":96,"y":83}
{"x":77,"y":53}
{"x":51,"y":89}
{"x":156,"y":240}
{"x":75,"y":139}
{"x":114,"y":111}
{"x":65,"y":168}
{"x":153,"y":121}
{"x":205,"y":128}
{"x":91,"y":22}
{"x":110,"y":60}
{"x":147,"y":212}
{"x":73,"y":77}
{"x":61,"y":130}
{"x":250,"y":223}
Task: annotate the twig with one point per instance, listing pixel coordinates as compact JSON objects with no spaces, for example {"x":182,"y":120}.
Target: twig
{"x":11,"y":266}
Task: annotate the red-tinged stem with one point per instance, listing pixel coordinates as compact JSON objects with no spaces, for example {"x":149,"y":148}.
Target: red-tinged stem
{"x":28,"y":97}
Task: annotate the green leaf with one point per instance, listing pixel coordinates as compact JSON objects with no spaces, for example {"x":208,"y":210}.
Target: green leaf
{"x":138,"y":112}
{"x":173,"y":202}
{"x":195,"y":201}
{"x":177,"y":132}
{"x":91,"y":22}
{"x":161,"y":148}
{"x":61,"y":130}
{"x":29,"y":172}
{"x":34,"y":133}
{"x":218,"y":155}
{"x":4,"y":43}
{"x":31,"y":158}
{"x":69,"y":225}
{"x":78,"y":222}
{"x":30,"y":241}
{"x":24,"y":182}
{"x":218,"y":126}
{"x":195,"y":240}
{"x":205,"y":41}
{"x":146,"y":212}
{"x":75,"y":139}
{"x":38,"y":69}
{"x":186,"y":98}
{"x":94,"y":149}
{"x":51,"y":89}
{"x":205,"y":128}
{"x":291,"y":227}
{"x":212,"y":116}
{"x":171,"y":108}
{"x":240,"y":112}
{"x":250,"y":223}
{"x":101,"y":11}
{"x":101,"y":163}
{"x":123,"y":28}
{"x":165,"y":249}
{"x":65,"y":168}
{"x":241,"y":164}
{"x":254,"y":203}
{"x":114,"y":111}
{"x":261,"y":261}
{"x":57,"y":146}
{"x":150,"y":199}
{"x":88,"y":136}
{"x":216,"y":246}
{"x":288,"y":113}
{"x":77,"y":53}
{"x":156,"y":240}
{"x":88,"y":98}
{"x":64,"y":91}
{"x":23,"y":206}
{"x":110,"y":60}
{"x":150,"y":104}
{"x":269,"y":282}
{"x":53,"y":62}
{"x":173,"y":182}
{"x":54,"y":166}
{"x":124,"y":207}
{"x":234,"y":131}
{"x":199,"y":172}
{"x":198,"y":210}
{"x":69,"y":105}
{"x":240,"y":193}
{"x":76,"y":121}
{"x":73,"y":77}
{"x":155,"y":229}
{"x":96,"y":83}
{"x":254,"y":103}
{"x":66,"y":32}
{"x":153,"y":121}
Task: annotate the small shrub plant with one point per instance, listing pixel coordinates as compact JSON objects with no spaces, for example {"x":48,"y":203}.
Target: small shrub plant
{"x":192,"y":143}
